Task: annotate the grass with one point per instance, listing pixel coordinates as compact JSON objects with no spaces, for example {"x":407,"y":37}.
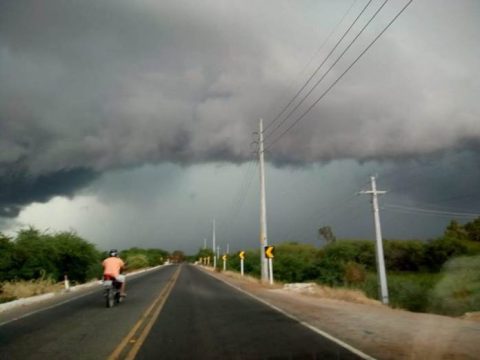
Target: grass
{"x":408,"y":290}
{"x":21,"y":289}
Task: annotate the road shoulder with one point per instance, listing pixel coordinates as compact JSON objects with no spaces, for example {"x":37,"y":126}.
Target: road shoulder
{"x":377,"y":330}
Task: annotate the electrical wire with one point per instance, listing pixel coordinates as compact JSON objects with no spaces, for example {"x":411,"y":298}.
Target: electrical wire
{"x":331,"y":67}
{"x":340,"y":77}
{"x":421,"y":211}
{"x":323,"y":62}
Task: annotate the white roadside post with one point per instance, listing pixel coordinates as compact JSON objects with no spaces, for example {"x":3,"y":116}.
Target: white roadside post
{"x":269,"y":254}
{"x":242,"y":258}
{"x":270,"y":267}
{"x":66,"y":282}
{"x":213,"y":245}
{"x":382,"y":274}
{"x":224,"y":257}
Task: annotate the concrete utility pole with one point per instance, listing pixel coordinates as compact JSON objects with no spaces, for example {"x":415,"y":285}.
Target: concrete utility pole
{"x":263,"y":208}
{"x":382,"y":275}
{"x":213,"y":247}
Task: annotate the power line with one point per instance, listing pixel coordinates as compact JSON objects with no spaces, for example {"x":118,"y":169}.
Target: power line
{"x":330,"y":68}
{"x":323,"y":62}
{"x":340,"y":77}
{"x":421,"y":211}
{"x":432,"y":206}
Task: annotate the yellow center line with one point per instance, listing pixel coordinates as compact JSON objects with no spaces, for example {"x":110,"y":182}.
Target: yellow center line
{"x":130,"y":345}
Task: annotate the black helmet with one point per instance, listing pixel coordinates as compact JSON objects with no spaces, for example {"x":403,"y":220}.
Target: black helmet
{"x":113,"y":253}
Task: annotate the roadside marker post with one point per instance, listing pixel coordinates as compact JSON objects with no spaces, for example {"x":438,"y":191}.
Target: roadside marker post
{"x":242,"y":258}
{"x":224,"y":257}
{"x":66,"y":282}
{"x":269,"y":254}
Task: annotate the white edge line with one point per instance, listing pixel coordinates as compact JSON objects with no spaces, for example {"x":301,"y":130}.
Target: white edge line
{"x":71,"y":299}
{"x":293,"y":317}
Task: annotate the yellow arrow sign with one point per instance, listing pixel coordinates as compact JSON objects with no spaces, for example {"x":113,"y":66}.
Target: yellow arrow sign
{"x":269,"y":251}
{"x":224,"y":257}
{"x":242,"y":255}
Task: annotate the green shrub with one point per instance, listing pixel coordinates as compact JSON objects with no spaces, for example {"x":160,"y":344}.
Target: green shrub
{"x":354,"y":273}
{"x":404,"y":255}
{"x":438,"y":251}
{"x":459,"y":289}
{"x":410,"y":291}
{"x":136,"y":261}
{"x":295,"y":262}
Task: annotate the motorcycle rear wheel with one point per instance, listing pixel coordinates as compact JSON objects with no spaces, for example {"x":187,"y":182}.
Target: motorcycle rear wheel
{"x":110,"y":297}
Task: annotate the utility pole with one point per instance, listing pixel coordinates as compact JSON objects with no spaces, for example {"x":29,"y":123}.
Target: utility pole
{"x":263,"y":209}
{"x":382,"y":275}
{"x":213,"y":245}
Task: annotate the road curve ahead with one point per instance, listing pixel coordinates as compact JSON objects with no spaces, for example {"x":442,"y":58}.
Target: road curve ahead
{"x":177,"y":312}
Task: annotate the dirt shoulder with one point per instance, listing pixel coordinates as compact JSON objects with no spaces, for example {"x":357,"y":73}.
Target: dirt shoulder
{"x":373,"y":328}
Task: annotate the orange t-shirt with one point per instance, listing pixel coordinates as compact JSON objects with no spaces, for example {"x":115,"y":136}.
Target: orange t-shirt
{"x":112,"y":266}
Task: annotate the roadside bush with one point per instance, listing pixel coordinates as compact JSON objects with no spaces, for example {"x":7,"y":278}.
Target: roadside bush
{"x":136,"y":261}
{"x":7,"y":248}
{"x":459,"y":289}
{"x":330,"y":272}
{"x":404,"y":255}
{"x":153,"y":257}
{"x":354,"y":273}
{"x":295,"y":262}
{"x":438,"y":251}
{"x":409,"y":291}
{"x":33,"y":255}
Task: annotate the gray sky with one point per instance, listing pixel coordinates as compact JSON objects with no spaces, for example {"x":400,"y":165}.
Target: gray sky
{"x":131,"y":121}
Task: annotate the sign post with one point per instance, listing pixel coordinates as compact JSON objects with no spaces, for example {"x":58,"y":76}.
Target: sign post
{"x":242,"y":258}
{"x":224,"y":257}
{"x":269,"y":254}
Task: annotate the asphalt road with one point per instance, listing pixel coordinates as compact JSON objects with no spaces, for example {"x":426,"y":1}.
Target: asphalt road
{"x":199,"y":317}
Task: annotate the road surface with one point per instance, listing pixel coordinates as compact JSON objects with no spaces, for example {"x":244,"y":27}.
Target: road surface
{"x":177,"y":312}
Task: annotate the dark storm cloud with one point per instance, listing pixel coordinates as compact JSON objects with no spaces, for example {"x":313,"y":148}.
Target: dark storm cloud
{"x":19,"y":189}
{"x":94,"y":86}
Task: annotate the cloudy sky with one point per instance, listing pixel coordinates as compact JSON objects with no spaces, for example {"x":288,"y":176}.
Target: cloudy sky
{"x":131,"y":122}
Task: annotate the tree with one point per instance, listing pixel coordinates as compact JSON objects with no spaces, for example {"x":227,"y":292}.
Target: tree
{"x":75,"y":257}
{"x":327,"y":233}
{"x":7,"y":248}
{"x":177,"y":256}
{"x":473,"y":229}
{"x":456,"y":231}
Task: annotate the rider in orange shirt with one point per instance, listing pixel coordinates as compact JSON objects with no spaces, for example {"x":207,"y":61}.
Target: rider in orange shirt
{"x":112,"y":267}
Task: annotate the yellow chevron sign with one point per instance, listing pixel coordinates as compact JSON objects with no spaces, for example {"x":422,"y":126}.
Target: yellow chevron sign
{"x":269,"y":251}
{"x":224,"y":257}
{"x":241,"y":255}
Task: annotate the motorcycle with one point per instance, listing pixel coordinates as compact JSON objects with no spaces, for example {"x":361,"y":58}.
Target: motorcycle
{"x":111,"y":291}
